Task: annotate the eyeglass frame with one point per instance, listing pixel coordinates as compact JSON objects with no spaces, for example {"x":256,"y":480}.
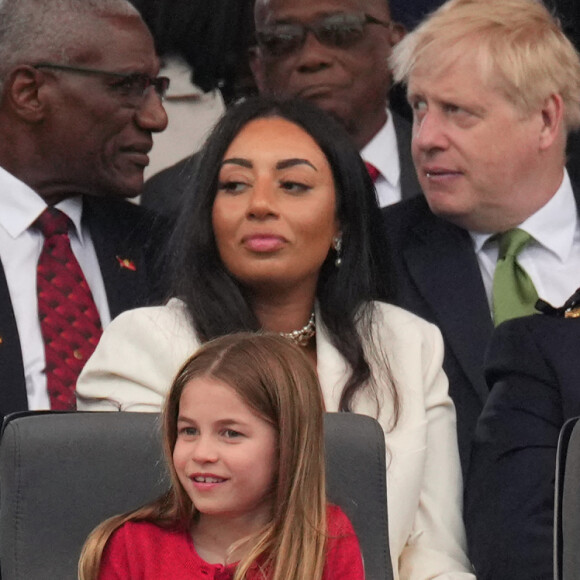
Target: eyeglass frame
{"x":160,"y":84}
{"x":314,"y":29}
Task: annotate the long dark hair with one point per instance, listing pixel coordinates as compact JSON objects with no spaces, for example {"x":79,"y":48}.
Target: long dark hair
{"x":216,"y":301}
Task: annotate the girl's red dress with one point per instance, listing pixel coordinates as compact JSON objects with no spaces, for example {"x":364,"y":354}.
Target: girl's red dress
{"x":144,"y":551}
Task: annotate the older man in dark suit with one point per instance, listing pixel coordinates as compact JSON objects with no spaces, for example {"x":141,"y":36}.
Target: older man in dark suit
{"x":79,"y":103}
{"x":495,"y":88}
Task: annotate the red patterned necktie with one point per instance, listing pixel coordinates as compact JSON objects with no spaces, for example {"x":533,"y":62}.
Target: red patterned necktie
{"x":69,"y":320}
{"x":373,"y":171}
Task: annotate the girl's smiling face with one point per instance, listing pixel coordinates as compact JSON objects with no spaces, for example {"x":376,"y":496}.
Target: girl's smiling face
{"x":225,"y":455}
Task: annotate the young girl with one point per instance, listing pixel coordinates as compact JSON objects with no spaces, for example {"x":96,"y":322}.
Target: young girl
{"x":242,"y":427}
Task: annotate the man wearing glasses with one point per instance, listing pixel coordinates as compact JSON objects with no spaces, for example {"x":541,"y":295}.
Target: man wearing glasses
{"x":79,"y":102}
{"x":334,"y":53}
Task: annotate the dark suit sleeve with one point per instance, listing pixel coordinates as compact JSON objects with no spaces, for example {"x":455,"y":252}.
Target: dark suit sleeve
{"x":510,"y":488}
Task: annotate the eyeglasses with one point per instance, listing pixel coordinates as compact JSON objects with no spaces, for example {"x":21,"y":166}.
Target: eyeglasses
{"x":131,"y":86}
{"x":340,"y":30}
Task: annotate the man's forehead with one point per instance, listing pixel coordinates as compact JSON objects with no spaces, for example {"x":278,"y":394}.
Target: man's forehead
{"x":124,"y":41}
{"x":459,"y":81}
{"x":270,"y":10}
{"x":437,"y":66}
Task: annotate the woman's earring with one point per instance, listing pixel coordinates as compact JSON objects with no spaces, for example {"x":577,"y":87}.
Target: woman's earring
{"x":337,"y":246}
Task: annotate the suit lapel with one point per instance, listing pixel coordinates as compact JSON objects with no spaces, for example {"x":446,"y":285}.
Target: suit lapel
{"x":444,"y":268}
{"x":409,"y":183}
{"x":12,"y":382}
{"x":122,"y":265}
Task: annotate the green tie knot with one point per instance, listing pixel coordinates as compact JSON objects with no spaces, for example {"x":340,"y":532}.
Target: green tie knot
{"x":512,"y":242}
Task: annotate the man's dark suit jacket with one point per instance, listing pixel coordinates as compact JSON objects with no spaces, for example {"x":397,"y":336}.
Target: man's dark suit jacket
{"x":120,"y":231}
{"x":165,"y":192}
{"x":532,"y":369}
{"x":437,"y":276}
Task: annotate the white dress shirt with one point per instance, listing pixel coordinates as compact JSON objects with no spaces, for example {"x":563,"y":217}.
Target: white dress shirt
{"x":20,"y":248}
{"x":552,"y":258}
{"x":382,"y":151}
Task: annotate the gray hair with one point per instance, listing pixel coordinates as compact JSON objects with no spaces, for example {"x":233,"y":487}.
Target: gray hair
{"x":35,"y":30}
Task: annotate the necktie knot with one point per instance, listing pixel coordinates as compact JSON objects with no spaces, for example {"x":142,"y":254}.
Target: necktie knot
{"x":52,"y":222}
{"x":373,"y":171}
{"x":512,"y":242}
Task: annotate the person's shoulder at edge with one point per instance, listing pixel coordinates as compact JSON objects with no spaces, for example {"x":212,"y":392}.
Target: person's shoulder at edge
{"x":165,"y":191}
{"x":415,"y":205}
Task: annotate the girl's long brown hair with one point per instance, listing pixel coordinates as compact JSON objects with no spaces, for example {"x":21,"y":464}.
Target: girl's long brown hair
{"x":277,"y":381}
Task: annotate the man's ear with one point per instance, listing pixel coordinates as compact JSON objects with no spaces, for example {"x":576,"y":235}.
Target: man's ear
{"x":24,"y":94}
{"x":257,"y":67}
{"x":552,"y":120}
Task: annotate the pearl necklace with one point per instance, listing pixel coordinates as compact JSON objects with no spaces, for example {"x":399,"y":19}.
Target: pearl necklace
{"x":302,"y":336}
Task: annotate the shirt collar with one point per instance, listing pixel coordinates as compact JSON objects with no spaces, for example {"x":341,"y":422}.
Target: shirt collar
{"x":21,"y":206}
{"x":382,"y":152}
{"x":552,"y":226}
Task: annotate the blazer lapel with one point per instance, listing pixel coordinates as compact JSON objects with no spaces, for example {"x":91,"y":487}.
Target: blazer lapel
{"x":12,"y":382}
{"x":331,"y":367}
{"x":444,"y":268}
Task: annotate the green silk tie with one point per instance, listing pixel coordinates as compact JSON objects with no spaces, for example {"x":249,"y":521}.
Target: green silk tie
{"x":514,"y":294}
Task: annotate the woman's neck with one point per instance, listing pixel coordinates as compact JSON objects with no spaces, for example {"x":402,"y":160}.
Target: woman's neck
{"x":283,"y":313}
{"x":281,"y":316}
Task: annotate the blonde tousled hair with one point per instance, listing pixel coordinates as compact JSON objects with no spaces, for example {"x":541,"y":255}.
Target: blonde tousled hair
{"x":277,"y":381}
{"x":520,"y":46}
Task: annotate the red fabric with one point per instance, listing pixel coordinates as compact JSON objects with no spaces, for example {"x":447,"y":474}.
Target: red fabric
{"x":69,"y":320}
{"x":373,"y":171}
{"x":144,"y":551}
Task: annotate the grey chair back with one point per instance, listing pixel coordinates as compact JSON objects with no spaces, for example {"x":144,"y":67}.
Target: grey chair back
{"x":567,"y":503}
{"x":356,"y":481}
{"x":61,"y":474}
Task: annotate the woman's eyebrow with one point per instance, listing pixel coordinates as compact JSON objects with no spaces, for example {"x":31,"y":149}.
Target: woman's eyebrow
{"x":285,"y":163}
{"x":238,"y":161}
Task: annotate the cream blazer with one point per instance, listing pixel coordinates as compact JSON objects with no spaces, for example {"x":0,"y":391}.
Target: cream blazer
{"x":141,"y":351}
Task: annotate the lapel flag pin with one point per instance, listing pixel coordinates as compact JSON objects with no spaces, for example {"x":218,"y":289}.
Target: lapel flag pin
{"x":126,"y":263}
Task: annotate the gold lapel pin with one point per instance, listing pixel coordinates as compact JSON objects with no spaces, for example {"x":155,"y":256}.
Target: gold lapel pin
{"x":126,"y":263}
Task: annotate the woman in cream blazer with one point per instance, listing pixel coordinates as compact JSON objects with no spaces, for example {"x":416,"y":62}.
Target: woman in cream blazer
{"x":142,"y":350}
{"x":283,"y":232}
